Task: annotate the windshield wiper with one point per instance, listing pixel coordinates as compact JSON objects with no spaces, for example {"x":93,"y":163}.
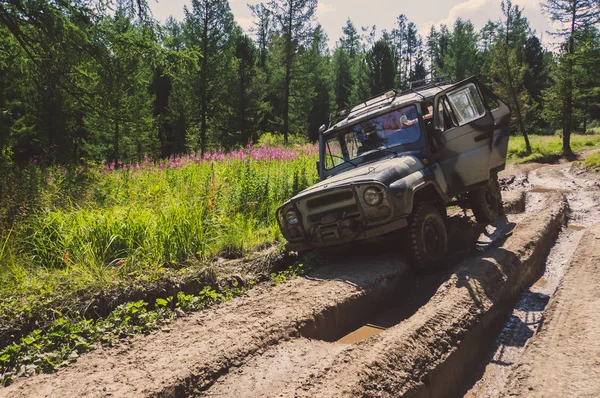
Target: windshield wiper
{"x":344,"y":159}
{"x":380,"y":150}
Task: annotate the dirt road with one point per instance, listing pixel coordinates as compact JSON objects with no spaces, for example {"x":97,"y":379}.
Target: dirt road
{"x":563,"y":360}
{"x":366,"y":325}
{"x":282,"y":340}
{"x":582,"y":192}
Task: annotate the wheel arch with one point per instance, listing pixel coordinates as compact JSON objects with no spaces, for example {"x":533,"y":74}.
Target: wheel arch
{"x":430,"y":193}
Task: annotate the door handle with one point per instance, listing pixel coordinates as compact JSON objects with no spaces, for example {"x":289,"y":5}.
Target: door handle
{"x":482,"y":137}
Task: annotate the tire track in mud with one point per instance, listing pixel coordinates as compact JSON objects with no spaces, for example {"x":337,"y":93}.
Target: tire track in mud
{"x":280,"y":341}
{"x":427,"y":351}
{"x":563,"y":359}
{"x":583,"y":197}
{"x":202,"y":347}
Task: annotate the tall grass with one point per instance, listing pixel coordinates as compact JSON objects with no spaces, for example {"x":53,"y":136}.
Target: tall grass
{"x":116,"y":222}
{"x":547,"y":147}
{"x":592,"y":161}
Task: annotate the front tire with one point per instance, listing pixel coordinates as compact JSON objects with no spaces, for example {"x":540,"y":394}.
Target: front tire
{"x":486,"y":202}
{"x":428,"y":239}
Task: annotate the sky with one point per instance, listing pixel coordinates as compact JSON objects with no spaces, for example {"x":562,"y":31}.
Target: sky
{"x":332,"y":14}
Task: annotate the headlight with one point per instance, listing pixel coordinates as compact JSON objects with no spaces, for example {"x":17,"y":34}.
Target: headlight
{"x":373,"y":196}
{"x":291,"y":216}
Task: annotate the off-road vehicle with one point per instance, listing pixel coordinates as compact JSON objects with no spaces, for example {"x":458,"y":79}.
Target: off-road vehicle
{"x":397,"y":161}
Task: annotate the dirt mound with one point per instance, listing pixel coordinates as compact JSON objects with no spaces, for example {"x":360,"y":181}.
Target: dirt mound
{"x":429,"y":353}
{"x":282,"y":340}
{"x":563,"y":359}
{"x":200,"y":348}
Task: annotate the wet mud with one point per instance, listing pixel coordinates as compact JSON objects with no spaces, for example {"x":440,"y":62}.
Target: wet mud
{"x":365,"y":324}
{"x":561,"y":360}
{"x":528,"y":316}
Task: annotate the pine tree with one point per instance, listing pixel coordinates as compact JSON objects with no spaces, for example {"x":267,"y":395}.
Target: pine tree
{"x":318,"y":61}
{"x":462,"y":58}
{"x":350,"y":41}
{"x":262,"y":30}
{"x":432,"y":42}
{"x":509,"y":67}
{"x":292,"y":19}
{"x":399,"y":38}
{"x":208,"y":27}
{"x":342,"y":75}
{"x":487,"y":38}
{"x":412,"y":44}
{"x":535,"y":81}
{"x":575,"y":16}
{"x":381,"y":67}
{"x":247,"y":99}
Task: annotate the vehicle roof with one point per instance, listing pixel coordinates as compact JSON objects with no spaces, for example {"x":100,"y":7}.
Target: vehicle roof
{"x":386,"y":101}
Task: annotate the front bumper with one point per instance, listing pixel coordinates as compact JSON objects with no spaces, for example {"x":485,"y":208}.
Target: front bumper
{"x":338,"y":215}
{"x":370,"y":233}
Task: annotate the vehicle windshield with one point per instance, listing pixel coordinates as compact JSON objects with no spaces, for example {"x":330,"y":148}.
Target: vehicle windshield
{"x":398,"y":127}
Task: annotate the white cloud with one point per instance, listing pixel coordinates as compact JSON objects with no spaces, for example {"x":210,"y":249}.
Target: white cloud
{"x":464,"y":10}
{"x":480,"y":11}
{"x":324,"y":8}
{"x":244,"y":22}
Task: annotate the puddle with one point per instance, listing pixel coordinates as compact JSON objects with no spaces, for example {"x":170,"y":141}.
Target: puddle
{"x":540,"y":189}
{"x":541,"y":282}
{"x":384,"y":320}
{"x":378,"y":323}
{"x":409,"y":296}
{"x":573,"y":227}
{"x":401,"y":305}
{"x":361,"y":334}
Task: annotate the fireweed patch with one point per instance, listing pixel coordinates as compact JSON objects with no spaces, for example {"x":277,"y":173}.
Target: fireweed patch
{"x":96,"y":227}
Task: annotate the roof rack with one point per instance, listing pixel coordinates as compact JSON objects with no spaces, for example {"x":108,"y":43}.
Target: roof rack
{"x":388,"y":95}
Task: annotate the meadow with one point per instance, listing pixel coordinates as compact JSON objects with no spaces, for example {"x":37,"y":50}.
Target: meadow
{"x":131,"y":221}
{"x":74,"y":228}
{"x":71,"y":234}
{"x":548,"y":148}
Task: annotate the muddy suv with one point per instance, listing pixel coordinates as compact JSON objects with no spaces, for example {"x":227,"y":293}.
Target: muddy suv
{"x":397,"y":161}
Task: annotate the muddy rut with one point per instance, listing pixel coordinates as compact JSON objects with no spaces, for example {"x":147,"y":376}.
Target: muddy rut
{"x":365,"y":325}
{"x":582,"y":192}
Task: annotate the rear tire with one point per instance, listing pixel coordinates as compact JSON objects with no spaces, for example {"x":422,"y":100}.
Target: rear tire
{"x":486,"y":202}
{"x":427,"y":239}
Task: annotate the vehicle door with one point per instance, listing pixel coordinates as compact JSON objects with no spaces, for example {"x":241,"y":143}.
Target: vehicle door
{"x":501,"y":113}
{"x":464,"y":128}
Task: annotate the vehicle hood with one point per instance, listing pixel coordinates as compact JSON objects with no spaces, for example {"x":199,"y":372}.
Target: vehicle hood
{"x":382,"y":171}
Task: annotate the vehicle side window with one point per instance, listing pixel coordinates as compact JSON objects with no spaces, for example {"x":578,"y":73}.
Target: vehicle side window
{"x":466,"y":104}
{"x":450,"y":120}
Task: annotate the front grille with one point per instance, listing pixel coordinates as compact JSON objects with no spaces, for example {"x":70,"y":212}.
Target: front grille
{"x":345,"y":212}
{"x":326,"y":200}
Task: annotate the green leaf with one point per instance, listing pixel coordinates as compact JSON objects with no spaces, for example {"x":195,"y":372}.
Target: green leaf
{"x":161,"y":302}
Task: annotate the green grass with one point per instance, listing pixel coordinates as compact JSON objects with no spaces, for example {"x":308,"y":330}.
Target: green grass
{"x":592,"y":161}
{"x":61,"y":342}
{"x":72,"y":234}
{"x":78,"y":233}
{"x":547,"y":148}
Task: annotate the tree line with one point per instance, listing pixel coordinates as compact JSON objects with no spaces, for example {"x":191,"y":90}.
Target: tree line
{"x":101,"y":80}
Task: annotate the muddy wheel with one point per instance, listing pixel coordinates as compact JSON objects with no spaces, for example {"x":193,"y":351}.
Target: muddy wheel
{"x":428,"y":239}
{"x":486,"y":202}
